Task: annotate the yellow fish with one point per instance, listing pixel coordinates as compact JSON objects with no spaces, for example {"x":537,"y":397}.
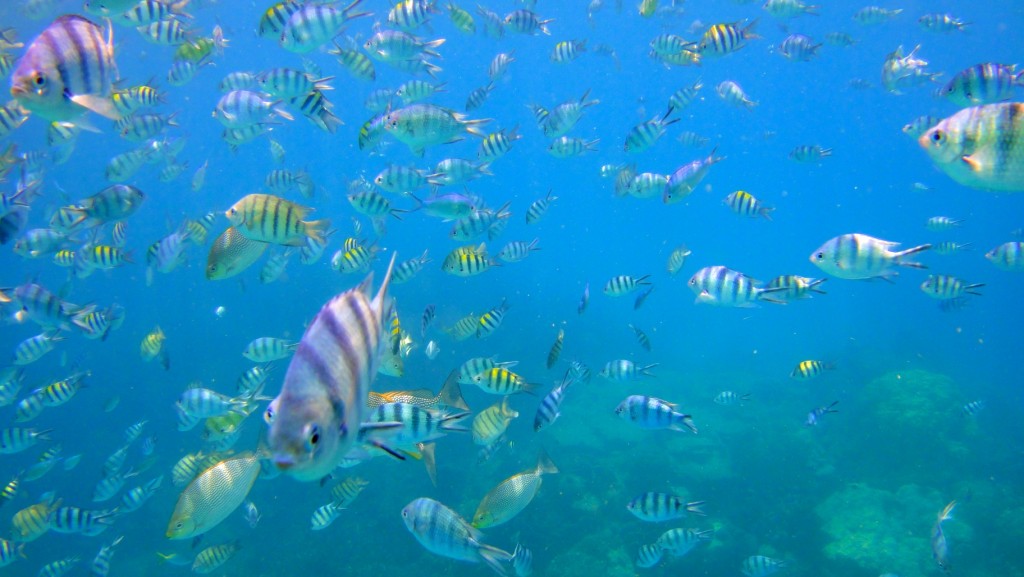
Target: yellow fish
{"x":512,"y":495}
{"x":153,"y":346}
{"x":270,"y":218}
{"x":213,"y":496}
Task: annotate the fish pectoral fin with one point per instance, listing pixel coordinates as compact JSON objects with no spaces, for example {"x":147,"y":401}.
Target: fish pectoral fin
{"x":972,"y":163}
{"x":97,"y":104}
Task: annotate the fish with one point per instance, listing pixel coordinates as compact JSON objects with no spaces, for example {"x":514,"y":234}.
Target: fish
{"x":324,"y":516}
{"x":511,"y":496}
{"x":625,"y":370}
{"x":814,"y":416}
{"x":981,"y":147}
{"x":443,"y":532}
{"x":793,"y":287}
{"x":677,"y":258}
{"x":653,"y":413}
{"x":211,"y":558}
{"x":232,"y":253}
{"x":810,"y":369}
{"x":859,"y":256}
{"x":213,"y":495}
{"x":152,"y":347}
{"x":940,"y":547}
{"x":556,"y":349}
{"x":945,"y":287}
{"x":984,"y":83}
{"x":760,"y":566}
{"x":684,"y":180}
{"x":657,"y":507}
{"x":641,"y":338}
{"x":624,"y":284}
{"x":722,"y":39}
{"x":550,"y":406}
{"x":585,"y":300}
{"x":268,"y":349}
{"x":1008,"y":256}
{"x":491,"y":423}
{"x":721,"y":286}
{"x":731,"y":398}
{"x":268,"y":218}
{"x":68,"y":69}
{"x":317,"y":416}
{"x":649,"y":555}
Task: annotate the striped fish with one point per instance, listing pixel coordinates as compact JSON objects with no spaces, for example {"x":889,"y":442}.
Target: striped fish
{"x":268,"y":349}
{"x":795,"y":287}
{"x":33,"y":521}
{"x":644,"y":135}
{"x":497,"y":144}
{"x":491,"y":320}
{"x":275,"y":18}
{"x":479,"y":365}
{"x":625,"y":370}
{"x":59,"y":567}
{"x":745,"y":204}
{"x":408,"y":15}
{"x":980,"y":147}
{"x":357,"y":63}
{"x":653,"y":413}
{"x":75,"y":520}
{"x":491,"y":423}
{"x":501,"y":381}
{"x":324,"y":516}
{"x":269,"y":218}
{"x":311,"y":25}
{"x":414,"y":424}
{"x":345,"y":492}
{"x":556,"y":348}
{"x":983,"y":84}
{"x":721,"y":286}
{"x":657,"y":507}
{"x":209,"y":559}
{"x":539,"y":208}
{"x":859,"y":256}
{"x":101,"y":562}
{"x":946,"y":287}
{"x":759,"y":565}
{"x":624,"y":284}
{"x":17,"y":439}
{"x":722,"y":39}
{"x":641,"y":338}
{"x":443,"y":532}
{"x":316,"y":418}
{"x":1007,"y":256}
{"x":649,"y":555}
{"x":810,"y":369}
{"x":679,"y":542}
{"x":67,"y":69}
{"x":549,"y":409}
{"x":29,"y":408}
{"x":32,"y":349}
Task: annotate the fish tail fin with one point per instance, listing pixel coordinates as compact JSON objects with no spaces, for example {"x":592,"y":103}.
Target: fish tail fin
{"x":646,"y":370}
{"x":695,"y":507}
{"x":812,"y":286}
{"x":947,"y":512}
{"x":545,"y":464}
{"x":494,"y":557}
{"x":903,"y":253}
{"x":451,"y":422}
{"x":315,"y":229}
{"x":427,"y":452}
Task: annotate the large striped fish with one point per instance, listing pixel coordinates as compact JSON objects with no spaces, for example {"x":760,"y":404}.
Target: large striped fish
{"x":981,"y":147}
{"x":316,"y":418}
{"x":68,"y":69}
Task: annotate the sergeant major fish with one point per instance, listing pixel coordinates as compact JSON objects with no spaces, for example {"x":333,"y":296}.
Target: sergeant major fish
{"x":316,"y":418}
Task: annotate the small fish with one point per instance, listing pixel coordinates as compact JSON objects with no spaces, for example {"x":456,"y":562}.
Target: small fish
{"x":152,"y":347}
{"x":721,"y":286}
{"x":657,"y":507}
{"x":947,"y":287}
{"x":209,"y":559}
{"x":940,"y":547}
{"x":256,"y":216}
{"x":232,"y":253}
{"x":809,"y":153}
{"x":810,"y":369}
{"x":722,"y":39}
{"x":972,"y":408}
{"x":760,"y":566}
{"x":213,"y":495}
{"x":625,"y":370}
{"x":677,"y":258}
{"x":585,"y":299}
{"x":539,"y":208}
{"x":511,"y":496}
{"x":490,"y":424}
{"x":324,"y":516}
{"x":745,"y":204}
{"x":653,"y":413}
{"x":1007,"y":256}
{"x":641,"y":338}
{"x":443,"y":532}
{"x":727,"y":398}
{"x":550,"y":406}
{"x":624,"y":284}
{"x":649,"y":555}
{"x":814,"y":416}
{"x":642,"y":297}
{"x":556,"y":349}
{"x":268,"y":349}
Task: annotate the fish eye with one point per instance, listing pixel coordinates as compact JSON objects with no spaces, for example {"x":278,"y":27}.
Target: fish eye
{"x":938,"y":136}
{"x":820,"y":256}
{"x":38,"y":79}
{"x":268,"y":416}
{"x":314,"y":435}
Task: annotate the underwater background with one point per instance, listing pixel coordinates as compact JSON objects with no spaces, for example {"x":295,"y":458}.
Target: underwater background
{"x":855,"y":495}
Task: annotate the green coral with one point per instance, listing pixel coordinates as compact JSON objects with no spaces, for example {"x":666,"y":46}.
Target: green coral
{"x":882,"y":531}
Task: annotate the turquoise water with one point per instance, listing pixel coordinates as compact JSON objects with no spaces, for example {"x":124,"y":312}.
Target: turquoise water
{"x":856,"y":495}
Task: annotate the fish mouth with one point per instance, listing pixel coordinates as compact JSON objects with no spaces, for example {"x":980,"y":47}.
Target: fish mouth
{"x":18,"y":90}
{"x":284,"y":462}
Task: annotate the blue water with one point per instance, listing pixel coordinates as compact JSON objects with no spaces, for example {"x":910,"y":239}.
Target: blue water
{"x":855,"y":496}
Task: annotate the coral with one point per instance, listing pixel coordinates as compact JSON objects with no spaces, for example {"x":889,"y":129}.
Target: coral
{"x":882,"y":531}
